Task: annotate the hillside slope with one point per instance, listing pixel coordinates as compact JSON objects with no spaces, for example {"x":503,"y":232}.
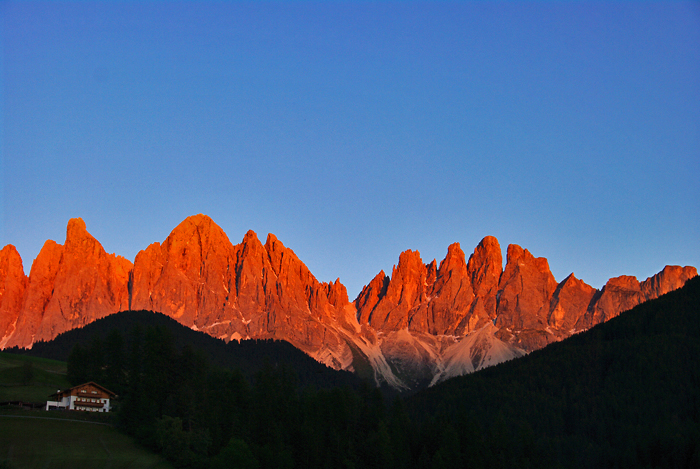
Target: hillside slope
{"x":623,"y":394}
{"x":248,"y":356}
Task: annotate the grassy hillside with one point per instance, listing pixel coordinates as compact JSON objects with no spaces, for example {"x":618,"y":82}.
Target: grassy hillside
{"x":39,"y":442}
{"x":30,"y":379}
{"x":38,"y":439}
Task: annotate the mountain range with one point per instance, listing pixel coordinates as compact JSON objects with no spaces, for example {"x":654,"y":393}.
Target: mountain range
{"x":420,"y":325}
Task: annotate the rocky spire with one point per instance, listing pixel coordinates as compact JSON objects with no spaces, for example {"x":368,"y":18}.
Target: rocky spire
{"x":71,"y":286}
{"x":13,"y":284}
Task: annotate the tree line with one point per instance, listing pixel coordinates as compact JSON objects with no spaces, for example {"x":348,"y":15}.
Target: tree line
{"x":199,"y":415}
{"x":624,"y":394}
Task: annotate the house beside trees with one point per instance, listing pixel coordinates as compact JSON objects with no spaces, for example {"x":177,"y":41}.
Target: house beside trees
{"x":87,"y":397}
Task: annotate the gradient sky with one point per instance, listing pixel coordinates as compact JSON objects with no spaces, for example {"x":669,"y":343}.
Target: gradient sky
{"x":356,"y":130}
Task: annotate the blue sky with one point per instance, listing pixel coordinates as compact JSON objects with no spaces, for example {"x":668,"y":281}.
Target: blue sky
{"x":356,"y":130}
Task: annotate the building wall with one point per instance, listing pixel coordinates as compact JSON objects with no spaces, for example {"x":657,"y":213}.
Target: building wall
{"x":83,"y":398}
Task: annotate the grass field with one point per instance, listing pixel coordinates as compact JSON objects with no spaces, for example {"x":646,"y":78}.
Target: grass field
{"x":30,"y":379}
{"x":31,"y":440}
{"x":57,"y":439}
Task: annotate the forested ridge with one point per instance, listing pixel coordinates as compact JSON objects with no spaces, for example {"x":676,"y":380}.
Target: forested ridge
{"x":246,"y":356}
{"x":624,"y":394}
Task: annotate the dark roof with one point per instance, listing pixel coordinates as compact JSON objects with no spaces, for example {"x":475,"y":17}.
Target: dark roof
{"x":85,"y":384}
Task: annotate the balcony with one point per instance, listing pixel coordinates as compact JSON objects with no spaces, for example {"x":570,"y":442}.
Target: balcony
{"x":78,"y":402}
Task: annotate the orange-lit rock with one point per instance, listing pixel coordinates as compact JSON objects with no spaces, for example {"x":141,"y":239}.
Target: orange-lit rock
{"x":484,"y":268}
{"x":406,"y":290}
{"x":569,"y":303}
{"x":370,"y":295}
{"x":71,"y":286}
{"x":252,"y":270}
{"x":189,"y":276}
{"x":89,"y":284}
{"x":619,"y":294}
{"x":524,"y":290}
{"x":670,"y":278}
{"x":524,"y":294}
{"x":39,"y":291}
{"x":448,"y":299}
{"x":13,"y":283}
{"x":421,"y":310}
{"x":249,"y":290}
{"x":625,"y":292}
{"x":412,"y":327}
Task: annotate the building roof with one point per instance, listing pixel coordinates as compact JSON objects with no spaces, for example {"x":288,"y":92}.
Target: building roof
{"x":90,"y":383}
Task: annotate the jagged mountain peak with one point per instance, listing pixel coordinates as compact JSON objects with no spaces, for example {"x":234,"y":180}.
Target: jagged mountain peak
{"x":413,"y":326}
{"x":250,"y":237}
{"x":517,"y":256}
{"x":199,"y":228}
{"x":79,"y":242}
{"x":271,"y":240}
{"x":76,"y":227}
{"x":10,"y":260}
{"x":410,"y":264}
{"x":489,"y":242}
{"x":454,"y":259}
{"x":13,"y":284}
{"x":670,"y":278}
{"x":69,"y":286}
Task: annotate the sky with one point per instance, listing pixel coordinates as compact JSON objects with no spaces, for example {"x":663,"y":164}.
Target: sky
{"x":356,"y":130}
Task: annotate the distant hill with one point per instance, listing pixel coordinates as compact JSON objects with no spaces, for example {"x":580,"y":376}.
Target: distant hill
{"x":624,"y":394}
{"x":248,"y":356}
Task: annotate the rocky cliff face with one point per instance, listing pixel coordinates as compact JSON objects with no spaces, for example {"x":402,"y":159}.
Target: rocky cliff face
{"x":568,"y":304}
{"x":70,"y":286}
{"x":38,"y":294}
{"x":454,"y":299}
{"x":188,"y":277}
{"x":670,"y":278}
{"x":422,"y":324}
{"x":523,"y":305}
{"x":485,"y":267}
{"x":249,"y":290}
{"x":524,"y":292}
{"x":13,"y":284}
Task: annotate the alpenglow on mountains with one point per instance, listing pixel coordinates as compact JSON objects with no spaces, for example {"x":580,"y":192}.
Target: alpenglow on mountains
{"x":420,"y":325}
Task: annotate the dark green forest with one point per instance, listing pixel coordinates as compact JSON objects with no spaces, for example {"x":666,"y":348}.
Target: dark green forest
{"x":623,"y":394}
{"x":626,"y":393}
{"x":247,"y":356}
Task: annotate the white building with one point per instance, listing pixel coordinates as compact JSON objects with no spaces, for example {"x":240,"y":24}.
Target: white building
{"x":88,"y":397}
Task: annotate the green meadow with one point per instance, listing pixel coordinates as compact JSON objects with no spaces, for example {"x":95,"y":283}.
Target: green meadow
{"x":34,"y":441}
{"x":30,"y":379}
{"x":57,"y":439}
